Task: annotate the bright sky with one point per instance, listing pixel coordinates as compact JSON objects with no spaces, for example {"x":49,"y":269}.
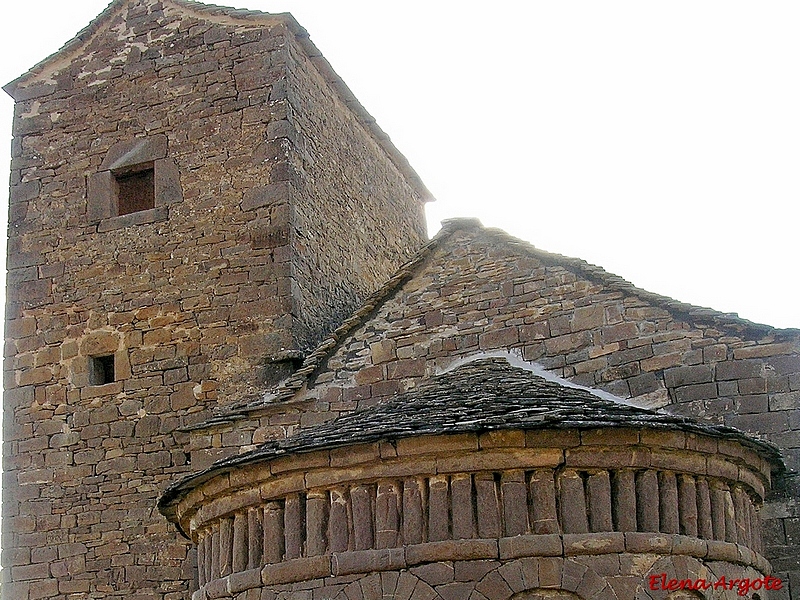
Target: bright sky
{"x":660,"y":140}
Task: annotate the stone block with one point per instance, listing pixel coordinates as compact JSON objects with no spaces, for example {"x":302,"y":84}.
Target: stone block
{"x":648,"y":543}
{"x":681,"y":376}
{"x":244,"y":580}
{"x":739,"y":369}
{"x":473,"y":570}
{"x":494,"y":587}
{"x":502,"y":338}
{"x":447,"y":550}
{"x":588,"y":317}
{"x":300,"y":569}
{"x":431,"y":444}
{"x":366,"y":561}
{"x":437,"y":573}
{"x":411,"y":367}
{"x":530,"y":545}
{"x":550,"y":570}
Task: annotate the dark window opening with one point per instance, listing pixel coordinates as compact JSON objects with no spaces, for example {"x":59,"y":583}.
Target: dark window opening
{"x":101,"y":370}
{"x":136,"y":190}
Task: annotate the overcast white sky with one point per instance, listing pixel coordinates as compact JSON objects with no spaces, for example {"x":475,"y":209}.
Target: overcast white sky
{"x":660,"y":140}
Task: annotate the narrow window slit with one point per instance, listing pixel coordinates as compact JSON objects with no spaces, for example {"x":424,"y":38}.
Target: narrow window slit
{"x":101,"y":370}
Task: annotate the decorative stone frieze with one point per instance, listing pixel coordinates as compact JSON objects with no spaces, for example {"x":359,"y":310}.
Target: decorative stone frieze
{"x":387,"y":510}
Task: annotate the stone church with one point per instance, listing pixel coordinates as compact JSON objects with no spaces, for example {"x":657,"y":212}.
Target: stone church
{"x":236,"y":368}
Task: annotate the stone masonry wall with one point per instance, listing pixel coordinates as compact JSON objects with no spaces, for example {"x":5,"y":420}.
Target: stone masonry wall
{"x":482,"y":292}
{"x":190,"y":298}
{"x":353,"y":196}
{"x":434,"y":505}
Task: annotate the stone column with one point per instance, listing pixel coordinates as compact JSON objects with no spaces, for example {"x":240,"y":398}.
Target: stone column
{"x":361,"y":499}
{"x":387,"y":519}
{"x":240,"y":546}
{"x":214,"y":574}
{"x":487,"y":506}
{"x":647,"y":501}
{"x":687,"y":505}
{"x":718,"y":510}
{"x":624,"y":500}
{"x":668,"y":502}
{"x":293,"y":526}
{"x":599,"y":488}
{"x":462,"y":506}
{"x":543,"y":502}
{"x":201,"y":559}
{"x":515,"y":503}
{"x":573,"y":503}
{"x":438,"y":509}
{"x":740,"y":502}
{"x":730,"y":518}
{"x":337,"y":521}
{"x":413,"y":512}
{"x":274,"y":540}
{"x":255,"y":537}
{"x":705,"y":516}
{"x":316,"y":523}
{"x":225,"y":546}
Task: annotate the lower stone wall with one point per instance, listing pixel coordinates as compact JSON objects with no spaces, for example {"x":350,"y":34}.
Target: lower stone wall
{"x":643,"y":576}
{"x":290,"y":526}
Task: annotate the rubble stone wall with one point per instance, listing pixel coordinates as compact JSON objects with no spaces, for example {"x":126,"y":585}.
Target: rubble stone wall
{"x":358,"y":218}
{"x":191,"y":298}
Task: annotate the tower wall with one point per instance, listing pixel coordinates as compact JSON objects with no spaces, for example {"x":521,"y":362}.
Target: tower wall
{"x":192,"y":299}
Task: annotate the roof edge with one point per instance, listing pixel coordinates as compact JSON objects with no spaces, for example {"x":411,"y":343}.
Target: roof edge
{"x":19,"y":92}
{"x":684,"y":310}
{"x":314,"y":360}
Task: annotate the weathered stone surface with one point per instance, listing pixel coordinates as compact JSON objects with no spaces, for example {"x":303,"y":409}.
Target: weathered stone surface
{"x":258,"y":248}
{"x":191,"y":294}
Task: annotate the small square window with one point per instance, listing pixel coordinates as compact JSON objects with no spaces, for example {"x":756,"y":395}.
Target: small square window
{"x":101,"y":370}
{"x":135,"y":189}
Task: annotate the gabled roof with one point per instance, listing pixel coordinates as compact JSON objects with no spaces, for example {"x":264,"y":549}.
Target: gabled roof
{"x":483,"y":395}
{"x":228,"y":15}
{"x":316,"y":359}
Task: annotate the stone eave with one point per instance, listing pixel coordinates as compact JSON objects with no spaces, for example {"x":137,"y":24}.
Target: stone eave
{"x":25,"y":86}
{"x":447,"y":411}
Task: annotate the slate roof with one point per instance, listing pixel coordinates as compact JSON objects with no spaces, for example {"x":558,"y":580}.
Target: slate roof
{"x":314,"y":361}
{"x":483,"y":395}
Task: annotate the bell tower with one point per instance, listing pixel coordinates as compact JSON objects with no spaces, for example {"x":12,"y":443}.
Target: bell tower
{"x":196,"y":199}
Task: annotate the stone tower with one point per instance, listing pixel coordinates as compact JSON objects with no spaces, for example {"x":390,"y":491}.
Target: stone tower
{"x":196,"y":199}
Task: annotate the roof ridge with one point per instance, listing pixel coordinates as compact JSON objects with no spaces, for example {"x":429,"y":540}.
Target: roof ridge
{"x":324,"y":349}
{"x":95,"y":24}
{"x":74,"y":42}
{"x":618,"y":283}
{"x":313,"y":361}
{"x":316,"y":57}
